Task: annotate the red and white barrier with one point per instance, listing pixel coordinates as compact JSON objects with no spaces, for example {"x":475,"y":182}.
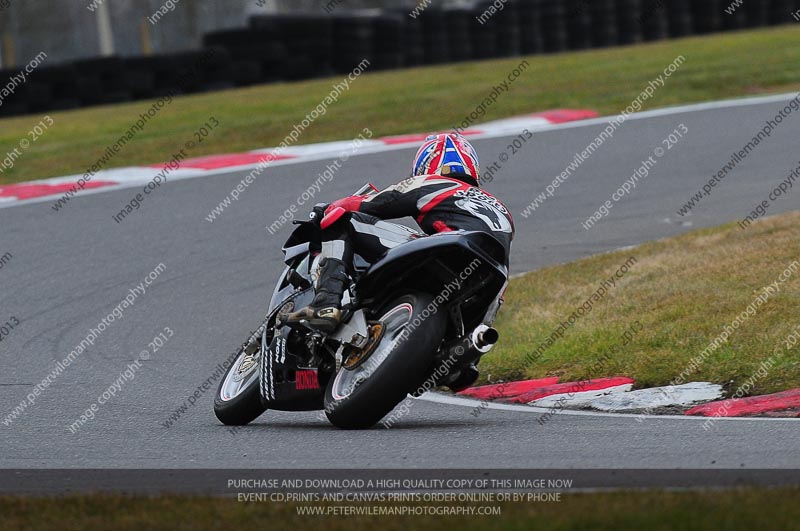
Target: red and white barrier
{"x":14,"y":194}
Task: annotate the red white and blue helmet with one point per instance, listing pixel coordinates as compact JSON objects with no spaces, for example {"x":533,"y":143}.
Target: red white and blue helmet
{"x":447,"y":154}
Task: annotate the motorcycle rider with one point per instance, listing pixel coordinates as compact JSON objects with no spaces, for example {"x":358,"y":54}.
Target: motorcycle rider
{"x":443,"y":194}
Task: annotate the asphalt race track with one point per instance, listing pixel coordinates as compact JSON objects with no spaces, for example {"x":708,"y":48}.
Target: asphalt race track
{"x":71,"y":268}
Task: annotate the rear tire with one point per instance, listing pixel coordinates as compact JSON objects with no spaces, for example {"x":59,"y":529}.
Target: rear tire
{"x":389,"y":379}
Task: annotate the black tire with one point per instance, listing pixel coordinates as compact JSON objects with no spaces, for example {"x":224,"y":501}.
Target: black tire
{"x":679,"y":17}
{"x":240,"y":411}
{"x":405,"y":368}
{"x":246,"y":406}
{"x":554,"y":26}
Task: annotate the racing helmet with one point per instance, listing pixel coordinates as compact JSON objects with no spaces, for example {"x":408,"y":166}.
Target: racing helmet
{"x":449,"y":155}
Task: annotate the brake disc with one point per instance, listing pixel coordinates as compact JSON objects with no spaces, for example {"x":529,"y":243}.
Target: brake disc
{"x":359,"y":356}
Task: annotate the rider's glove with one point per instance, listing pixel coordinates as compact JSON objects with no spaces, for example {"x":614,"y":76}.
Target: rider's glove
{"x":348,"y":204}
{"x":339,"y":208}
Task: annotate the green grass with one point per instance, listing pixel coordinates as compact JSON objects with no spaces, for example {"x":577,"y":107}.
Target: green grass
{"x":773,"y":509}
{"x":415,"y":100}
{"x":682,"y":291}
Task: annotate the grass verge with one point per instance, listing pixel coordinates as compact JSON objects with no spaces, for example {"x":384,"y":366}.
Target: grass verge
{"x":682,"y":292}
{"x":414,"y":100}
{"x":653,"y":510}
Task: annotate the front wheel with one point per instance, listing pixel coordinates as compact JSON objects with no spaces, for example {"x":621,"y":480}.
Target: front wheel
{"x":360,"y":396}
{"x":238,"y":400}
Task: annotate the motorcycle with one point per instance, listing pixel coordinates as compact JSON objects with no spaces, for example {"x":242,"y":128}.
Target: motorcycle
{"x":418,"y":318}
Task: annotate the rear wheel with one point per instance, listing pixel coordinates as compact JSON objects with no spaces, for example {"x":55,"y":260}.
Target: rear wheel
{"x":238,"y":400}
{"x":361,"y":395}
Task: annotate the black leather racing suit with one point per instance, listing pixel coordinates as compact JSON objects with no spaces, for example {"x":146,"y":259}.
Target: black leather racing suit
{"x":437,"y":203}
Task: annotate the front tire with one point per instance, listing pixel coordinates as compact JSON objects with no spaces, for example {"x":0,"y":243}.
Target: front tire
{"x":238,"y":398}
{"x":358,"y":398}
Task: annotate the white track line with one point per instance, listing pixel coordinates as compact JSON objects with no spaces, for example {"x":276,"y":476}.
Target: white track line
{"x":371,"y":149}
{"x":681,"y":109}
{"x":450,"y":400}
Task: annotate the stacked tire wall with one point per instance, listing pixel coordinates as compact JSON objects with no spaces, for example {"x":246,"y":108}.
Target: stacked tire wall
{"x":294,"y":47}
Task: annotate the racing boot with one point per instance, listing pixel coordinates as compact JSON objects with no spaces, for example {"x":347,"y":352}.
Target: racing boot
{"x":325,"y":312}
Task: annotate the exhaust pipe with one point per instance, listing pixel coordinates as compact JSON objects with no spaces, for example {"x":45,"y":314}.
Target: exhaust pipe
{"x":484,"y":337}
{"x":479,"y":342}
{"x":467,"y":351}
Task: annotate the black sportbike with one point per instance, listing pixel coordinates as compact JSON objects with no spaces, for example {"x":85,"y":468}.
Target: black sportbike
{"x":417,"y":318}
